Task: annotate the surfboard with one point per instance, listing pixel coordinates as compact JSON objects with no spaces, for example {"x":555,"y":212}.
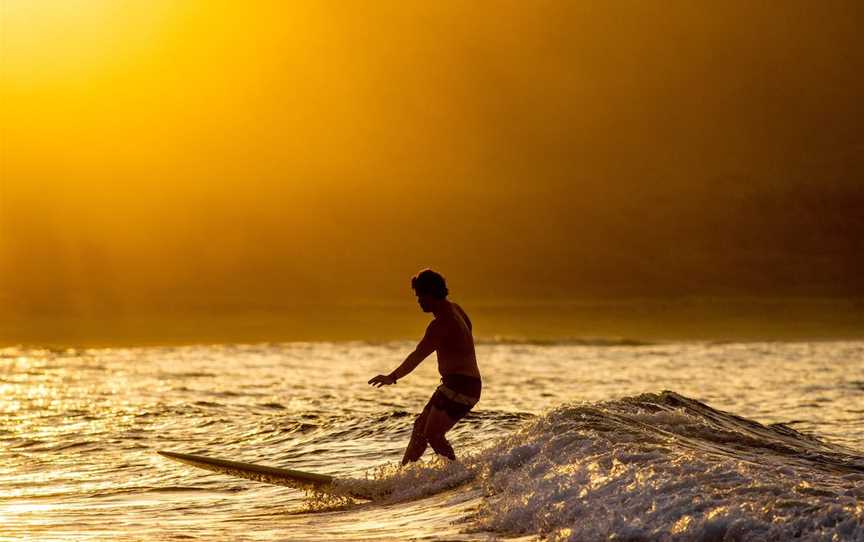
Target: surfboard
{"x":260,"y":473}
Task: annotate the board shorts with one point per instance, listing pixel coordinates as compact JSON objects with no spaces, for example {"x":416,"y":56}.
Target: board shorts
{"x":457,"y":395}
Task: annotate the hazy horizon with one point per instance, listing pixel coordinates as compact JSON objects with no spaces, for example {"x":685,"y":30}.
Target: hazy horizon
{"x":206,"y":157}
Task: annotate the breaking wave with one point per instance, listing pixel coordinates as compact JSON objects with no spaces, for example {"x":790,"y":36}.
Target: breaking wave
{"x":651,"y":467}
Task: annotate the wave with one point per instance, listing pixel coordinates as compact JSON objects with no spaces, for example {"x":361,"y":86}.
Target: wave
{"x":560,"y":341}
{"x":651,"y":467}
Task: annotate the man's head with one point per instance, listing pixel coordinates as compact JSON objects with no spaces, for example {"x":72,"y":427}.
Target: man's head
{"x":430,"y":289}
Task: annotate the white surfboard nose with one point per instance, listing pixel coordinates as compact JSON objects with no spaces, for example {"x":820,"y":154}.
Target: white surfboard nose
{"x":259,"y":473}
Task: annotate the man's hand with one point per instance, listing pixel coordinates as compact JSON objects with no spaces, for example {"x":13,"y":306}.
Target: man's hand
{"x":382,"y":380}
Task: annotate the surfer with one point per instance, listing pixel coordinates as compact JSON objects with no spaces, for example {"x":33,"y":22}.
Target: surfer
{"x":448,"y":334}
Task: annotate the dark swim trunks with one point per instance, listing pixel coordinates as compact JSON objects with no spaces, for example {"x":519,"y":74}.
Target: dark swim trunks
{"x":457,"y":395}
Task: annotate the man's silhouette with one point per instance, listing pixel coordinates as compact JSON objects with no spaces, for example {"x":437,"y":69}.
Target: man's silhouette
{"x":449,"y":334}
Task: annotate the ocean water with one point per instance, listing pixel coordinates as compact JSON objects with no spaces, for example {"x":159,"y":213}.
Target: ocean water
{"x":581,"y":440}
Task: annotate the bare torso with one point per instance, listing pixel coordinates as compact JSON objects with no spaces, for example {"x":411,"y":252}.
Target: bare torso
{"x":455,"y":345}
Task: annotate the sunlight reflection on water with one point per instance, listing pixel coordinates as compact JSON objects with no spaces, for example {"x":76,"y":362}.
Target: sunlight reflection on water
{"x":80,"y":428}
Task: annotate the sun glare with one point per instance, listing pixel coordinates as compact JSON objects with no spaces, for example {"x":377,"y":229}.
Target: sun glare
{"x":47,"y":40}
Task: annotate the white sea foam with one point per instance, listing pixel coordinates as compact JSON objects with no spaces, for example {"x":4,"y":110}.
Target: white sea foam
{"x":653,"y":467}
{"x":619,"y":470}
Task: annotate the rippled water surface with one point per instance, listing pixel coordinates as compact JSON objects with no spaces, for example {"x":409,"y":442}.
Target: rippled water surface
{"x":569,"y":442}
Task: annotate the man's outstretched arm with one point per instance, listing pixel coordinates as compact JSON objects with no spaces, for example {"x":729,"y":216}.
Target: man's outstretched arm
{"x":426,"y":346}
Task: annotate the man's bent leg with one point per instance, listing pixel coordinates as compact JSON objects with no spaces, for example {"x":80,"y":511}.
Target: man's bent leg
{"x":438,"y":422}
{"x":417,"y":444}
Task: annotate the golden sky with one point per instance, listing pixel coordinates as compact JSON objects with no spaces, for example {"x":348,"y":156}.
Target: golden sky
{"x":228,"y":154}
